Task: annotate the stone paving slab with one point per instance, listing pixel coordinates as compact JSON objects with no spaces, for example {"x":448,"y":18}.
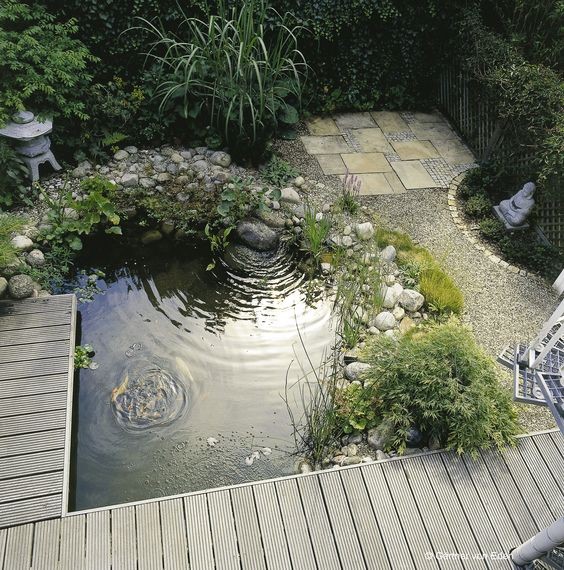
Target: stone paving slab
{"x":326,"y":145}
{"x":413,"y":174}
{"x":321,"y":126}
{"x":428,"y":117}
{"x":453,"y":151}
{"x":413,"y":150}
{"x":372,"y":140}
{"x":432,"y":131}
{"x":331,"y":163}
{"x":377,"y":184}
{"x":389,"y":121}
{"x":354,"y":120}
{"x":366,"y":162}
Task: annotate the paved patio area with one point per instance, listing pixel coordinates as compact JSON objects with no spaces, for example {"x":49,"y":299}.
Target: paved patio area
{"x":390,"y":152}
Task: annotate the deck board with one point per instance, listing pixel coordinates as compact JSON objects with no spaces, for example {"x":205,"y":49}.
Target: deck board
{"x":198,"y":532}
{"x":36,"y":372}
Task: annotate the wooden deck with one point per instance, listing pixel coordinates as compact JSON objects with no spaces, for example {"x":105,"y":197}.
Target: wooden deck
{"x":434,"y":511}
{"x":36,"y":371}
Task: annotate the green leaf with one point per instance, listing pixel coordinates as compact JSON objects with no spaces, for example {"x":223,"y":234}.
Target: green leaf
{"x":224,"y":208}
{"x":210,"y":266}
{"x":289,"y":115}
{"x":75,"y":243}
{"x":114,"y":230}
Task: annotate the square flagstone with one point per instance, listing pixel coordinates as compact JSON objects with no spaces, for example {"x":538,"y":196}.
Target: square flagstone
{"x":331,"y":163}
{"x":412,"y":150}
{"x":432,"y":131}
{"x":374,"y":184}
{"x":433,"y":117}
{"x":353,"y":120}
{"x":322,"y":126}
{"x":413,"y":174}
{"x":389,"y":121}
{"x":371,"y":140}
{"x":395,"y":182}
{"x":454,"y":152}
{"x":325,"y":145}
{"x":365,"y":162}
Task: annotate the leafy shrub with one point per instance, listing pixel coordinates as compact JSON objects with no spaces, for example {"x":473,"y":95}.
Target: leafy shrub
{"x":239,"y":199}
{"x":355,"y":409}
{"x":12,"y":173}
{"x":478,"y":206}
{"x":228,"y":69}
{"x":492,"y":229}
{"x":441,"y":381}
{"x":440,"y":292}
{"x":9,"y":224}
{"x":278,"y":171}
{"x":43,"y":68}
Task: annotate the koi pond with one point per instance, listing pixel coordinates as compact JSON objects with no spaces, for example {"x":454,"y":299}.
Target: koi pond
{"x":188,"y":392}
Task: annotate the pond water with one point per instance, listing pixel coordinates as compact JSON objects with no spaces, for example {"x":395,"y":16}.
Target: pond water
{"x":185,"y":355}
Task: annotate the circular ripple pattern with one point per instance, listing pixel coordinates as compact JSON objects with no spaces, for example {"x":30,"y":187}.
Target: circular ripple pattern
{"x":148,"y":396}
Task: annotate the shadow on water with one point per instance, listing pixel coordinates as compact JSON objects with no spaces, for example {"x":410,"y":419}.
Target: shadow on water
{"x":185,"y":355}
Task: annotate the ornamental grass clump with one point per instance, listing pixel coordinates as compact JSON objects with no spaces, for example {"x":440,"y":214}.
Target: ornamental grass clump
{"x":245,"y":79}
{"x":439,"y":380}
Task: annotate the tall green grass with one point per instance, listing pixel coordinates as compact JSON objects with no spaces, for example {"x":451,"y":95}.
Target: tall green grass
{"x":9,"y":224}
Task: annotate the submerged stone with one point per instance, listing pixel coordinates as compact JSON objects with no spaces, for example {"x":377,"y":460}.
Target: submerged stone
{"x":257,"y":235}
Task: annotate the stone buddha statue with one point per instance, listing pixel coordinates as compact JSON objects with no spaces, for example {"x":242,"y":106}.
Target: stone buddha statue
{"x":516,"y":209}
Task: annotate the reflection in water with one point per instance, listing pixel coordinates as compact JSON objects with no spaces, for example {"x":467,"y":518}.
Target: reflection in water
{"x":186,"y":355}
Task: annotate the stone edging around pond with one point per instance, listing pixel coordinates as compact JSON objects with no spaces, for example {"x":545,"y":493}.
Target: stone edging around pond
{"x":469,"y":234}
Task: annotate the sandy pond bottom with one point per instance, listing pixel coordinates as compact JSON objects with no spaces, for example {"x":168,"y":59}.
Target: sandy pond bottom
{"x":185,"y":355}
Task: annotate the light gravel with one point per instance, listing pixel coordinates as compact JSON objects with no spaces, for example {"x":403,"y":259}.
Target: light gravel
{"x":501,"y":307}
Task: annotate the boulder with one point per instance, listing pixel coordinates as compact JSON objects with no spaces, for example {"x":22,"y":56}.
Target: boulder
{"x":290,"y":195}
{"x":411,"y":300}
{"x":21,"y":243}
{"x":14,"y":267}
{"x":35,"y":258}
{"x":20,"y":286}
{"x":121,"y":155}
{"x":129,"y":179}
{"x":388,"y":254}
{"x":355,"y":370}
{"x":380,"y":436}
{"x":407,"y":323}
{"x":392,"y":295}
{"x":364,"y":231}
{"x":3,"y":286}
{"x":414,"y":437}
{"x":257,"y":235}
{"x":220,"y":159}
{"x":151,"y":236}
{"x":385,"y":321}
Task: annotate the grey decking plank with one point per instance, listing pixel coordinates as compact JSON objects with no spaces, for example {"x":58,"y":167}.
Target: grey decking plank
{"x":32,"y":404}
{"x":247,"y":527}
{"x":149,"y":541}
{"x":46,"y":545}
{"x":543,"y":477}
{"x":31,"y":464}
{"x":30,"y":386}
{"x":30,"y":486}
{"x":198,"y":532}
{"x":31,"y":423}
{"x":98,"y":540}
{"x":366,"y":523}
{"x":299,"y":542}
{"x":35,"y":305}
{"x":386,"y":515}
{"x":344,"y":530}
{"x":72,"y":553}
{"x":493,"y":503}
{"x":3,"y":535}
{"x":30,"y":336}
{"x":410,"y":520}
{"x":452,"y":511}
{"x":124,"y":539}
{"x":476,"y":514}
{"x":34,"y":368}
{"x":29,"y":510}
{"x":552,"y":457}
{"x":36,"y":320}
{"x":558,"y":440}
{"x":430,"y":511}
{"x":271,"y":527}
{"x":223,"y":531}
{"x":528,"y":488}
{"x":318,"y":523}
{"x":32,"y":442}
{"x":34,"y":351}
{"x":19,"y":541}
{"x":175,"y":548}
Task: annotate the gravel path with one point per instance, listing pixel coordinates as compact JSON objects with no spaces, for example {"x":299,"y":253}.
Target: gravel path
{"x":500,"y":306}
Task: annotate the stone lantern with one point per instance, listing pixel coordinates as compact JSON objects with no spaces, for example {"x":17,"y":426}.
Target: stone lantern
{"x":32,"y":143}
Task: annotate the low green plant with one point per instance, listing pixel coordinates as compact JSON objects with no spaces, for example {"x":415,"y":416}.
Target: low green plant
{"x":219,"y":240}
{"x":478,"y":205}
{"x":12,"y":175}
{"x":58,"y":265}
{"x":9,"y":224}
{"x":240,"y":198}
{"x":316,"y":230}
{"x":355,"y":409}
{"x":440,"y":292}
{"x":278,"y":171}
{"x":348,"y":200}
{"x":492,"y":229}
{"x":83,"y":356}
{"x":439,"y":380}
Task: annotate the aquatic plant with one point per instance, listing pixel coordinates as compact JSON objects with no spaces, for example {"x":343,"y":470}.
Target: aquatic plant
{"x":83,"y":357}
{"x":350,"y":192}
{"x":316,"y":230}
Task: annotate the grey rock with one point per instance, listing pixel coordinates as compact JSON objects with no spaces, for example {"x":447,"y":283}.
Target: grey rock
{"x":257,"y":235}
{"x":82,"y":170}
{"x":200,"y":165}
{"x":364,"y":231}
{"x":355,"y":370}
{"x":147,"y":183}
{"x":3,"y":286}
{"x":172,"y":168}
{"x":14,"y":267}
{"x":380,"y":455}
{"x":388,"y":254}
{"x":20,"y":286}
{"x":290,"y":195}
{"x":385,"y":321}
{"x":163,"y":177}
{"x":347,"y":231}
{"x":304,"y":466}
{"x":35,"y":258}
{"x":392,"y":295}
{"x":414,"y":437}
{"x":355,"y":460}
{"x":399,"y":313}
{"x":151,"y":236}
{"x":411,"y":300}
{"x":347,"y":241}
{"x":352,"y":450}
{"x":220,"y":159}
{"x":223,"y":177}
{"x":412,"y":451}
{"x":21,"y":243}
{"x":186,"y":154}
{"x":389,"y":280}
{"x":380,"y":436}
{"x":299,"y":182}
{"x":338,"y":459}
{"x":176,"y":157}
{"x":355,"y":438}
{"x":167,"y":227}
{"x":407,"y":323}
{"x":121,"y":155}
{"x":129,"y":180}
{"x":434,"y":443}
{"x":131,"y":149}
{"x":271,"y":219}
{"x":326,"y":268}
